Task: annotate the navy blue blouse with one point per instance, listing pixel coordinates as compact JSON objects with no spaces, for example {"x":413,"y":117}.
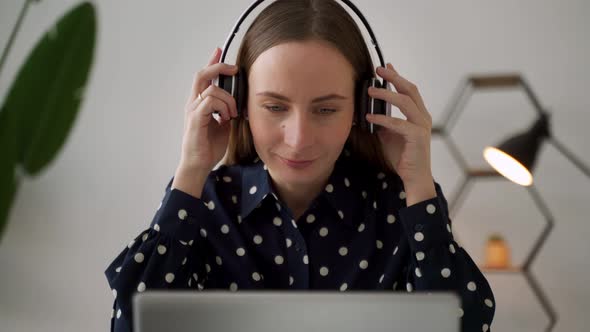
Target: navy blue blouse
{"x":358,"y":234}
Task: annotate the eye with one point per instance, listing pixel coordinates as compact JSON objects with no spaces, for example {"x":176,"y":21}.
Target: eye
{"x":273,"y":108}
{"x":326,"y":111}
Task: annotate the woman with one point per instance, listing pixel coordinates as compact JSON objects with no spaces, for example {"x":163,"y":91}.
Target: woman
{"x":304,"y":199}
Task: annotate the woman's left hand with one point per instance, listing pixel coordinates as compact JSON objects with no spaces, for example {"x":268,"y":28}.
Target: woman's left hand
{"x":406,"y":143}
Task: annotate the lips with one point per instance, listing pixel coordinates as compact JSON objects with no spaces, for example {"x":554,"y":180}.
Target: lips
{"x":297,"y":163}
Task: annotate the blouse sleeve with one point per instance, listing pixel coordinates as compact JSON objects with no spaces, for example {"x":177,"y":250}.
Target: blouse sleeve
{"x":167,"y":255}
{"x":439,"y":263}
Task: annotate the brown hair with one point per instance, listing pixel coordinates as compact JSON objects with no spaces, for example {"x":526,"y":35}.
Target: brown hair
{"x":305,"y":20}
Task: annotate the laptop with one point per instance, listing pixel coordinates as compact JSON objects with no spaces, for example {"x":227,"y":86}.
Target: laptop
{"x":294,"y":311}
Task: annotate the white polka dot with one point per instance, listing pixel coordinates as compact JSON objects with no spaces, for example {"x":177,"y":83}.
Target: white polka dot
{"x":233,"y":287}
{"x":409,"y":287}
{"x":182,"y":214}
{"x":184,"y":243}
{"x":363,"y":264}
{"x":446,"y":272}
{"x":381,"y":278}
{"x":161,"y":249}
{"x":227,"y":179}
{"x":384,"y":185}
{"x":390,"y":219}
{"x":419,"y":236}
{"x":343,"y":287}
{"x":141,"y":287}
{"x":144,"y":237}
{"x":395,"y":250}
{"x":114,"y":293}
{"x":471,"y":286}
{"x":364,"y":193}
{"x":184,"y":261}
{"x":452,"y":248}
{"x":138,"y":257}
{"x":461,"y":313}
{"x":361,"y":227}
{"x":118,"y":269}
{"x":379,"y":244}
{"x":430,"y":208}
{"x":257,"y":239}
{"x":211,"y":205}
{"x":256,"y":276}
{"x":324,"y":271}
{"x":157,"y":227}
{"x":381,"y":176}
{"x":203,"y":232}
{"x":218,"y":260}
{"x":418,"y":272}
{"x":265,"y":167}
{"x":489,"y":303}
{"x":341,"y":214}
{"x":310,"y":218}
{"x":375,"y":205}
{"x":225,"y":229}
{"x":420,"y":255}
{"x":253,"y":190}
{"x":169,"y":277}
{"x":119,"y":313}
{"x":234,"y":199}
{"x":291,"y":280}
{"x":240,"y":252}
{"x":323,"y":231}
{"x":343,"y":251}
{"x":239,"y":219}
{"x":279,"y":260}
{"x":131,"y":244}
{"x":485,"y":327}
{"x":288,"y":242}
{"x":449,"y":228}
{"x":277,"y":221}
{"x":293,"y":223}
{"x":402,"y":195}
{"x":329,"y":188}
{"x":278,"y":206}
{"x":207,"y":267}
{"x":346,"y":182}
{"x":196,"y":277}
{"x":305,"y":260}
{"x":190,"y":243}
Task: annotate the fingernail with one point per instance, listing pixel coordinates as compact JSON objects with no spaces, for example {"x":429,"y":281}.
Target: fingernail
{"x":214,"y":52}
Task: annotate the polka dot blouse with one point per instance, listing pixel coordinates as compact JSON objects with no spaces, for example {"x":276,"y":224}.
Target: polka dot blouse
{"x":357,"y":234}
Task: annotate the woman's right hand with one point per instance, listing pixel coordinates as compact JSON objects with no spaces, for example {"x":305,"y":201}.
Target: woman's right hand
{"x":205,"y":138}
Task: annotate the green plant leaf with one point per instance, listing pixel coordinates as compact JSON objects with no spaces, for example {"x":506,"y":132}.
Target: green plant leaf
{"x":8,"y":182}
{"x":49,"y":87}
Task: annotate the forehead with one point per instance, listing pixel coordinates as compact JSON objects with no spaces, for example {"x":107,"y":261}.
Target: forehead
{"x":301,"y":66}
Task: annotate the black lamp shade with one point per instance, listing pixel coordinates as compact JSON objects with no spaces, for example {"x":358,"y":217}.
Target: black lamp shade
{"x":521,"y":149}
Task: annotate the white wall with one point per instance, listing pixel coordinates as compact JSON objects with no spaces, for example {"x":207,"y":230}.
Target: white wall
{"x":69,"y":223}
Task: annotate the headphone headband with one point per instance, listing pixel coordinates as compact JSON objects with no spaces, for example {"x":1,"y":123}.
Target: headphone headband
{"x":236,"y":28}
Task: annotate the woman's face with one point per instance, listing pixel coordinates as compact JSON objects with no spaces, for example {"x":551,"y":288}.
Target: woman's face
{"x":300,"y":109}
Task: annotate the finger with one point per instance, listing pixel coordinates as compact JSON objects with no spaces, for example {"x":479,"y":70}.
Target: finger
{"x":402,"y":85}
{"x":401,"y":101}
{"x":396,"y":125}
{"x":218,"y":93}
{"x":211,"y":105}
{"x":207,"y":74}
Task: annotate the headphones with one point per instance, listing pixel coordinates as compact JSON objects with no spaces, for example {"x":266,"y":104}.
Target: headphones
{"x":236,"y":85}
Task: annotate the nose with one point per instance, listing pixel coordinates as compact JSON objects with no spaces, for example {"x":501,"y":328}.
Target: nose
{"x":298,"y":131}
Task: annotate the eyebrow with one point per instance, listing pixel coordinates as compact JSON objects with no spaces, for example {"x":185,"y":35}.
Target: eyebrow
{"x":315,"y":100}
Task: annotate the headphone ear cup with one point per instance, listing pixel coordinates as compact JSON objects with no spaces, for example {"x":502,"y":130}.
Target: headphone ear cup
{"x":236,"y":86}
{"x":362,"y":103}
